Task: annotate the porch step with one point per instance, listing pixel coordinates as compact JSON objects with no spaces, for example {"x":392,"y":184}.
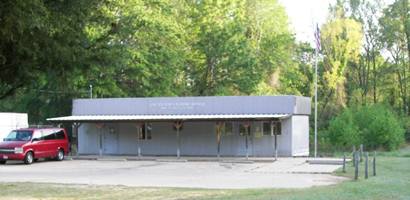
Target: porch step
{"x":326,"y":161}
{"x":111,"y":159}
{"x":171,"y":160}
{"x":238,"y":161}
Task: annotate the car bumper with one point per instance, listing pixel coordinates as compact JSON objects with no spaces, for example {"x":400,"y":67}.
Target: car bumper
{"x":13,"y":156}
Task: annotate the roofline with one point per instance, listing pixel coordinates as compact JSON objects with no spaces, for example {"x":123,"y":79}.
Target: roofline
{"x":164,"y":97}
{"x":169,"y":118}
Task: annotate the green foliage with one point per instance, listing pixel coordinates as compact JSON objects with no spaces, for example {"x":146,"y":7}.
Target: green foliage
{"x":51,"y":51}
{"x":374,"y":126}
{"x":138,"y":48}
{"x":344,"y":131}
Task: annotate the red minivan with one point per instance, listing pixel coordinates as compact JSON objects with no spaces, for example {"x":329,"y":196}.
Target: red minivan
{"x":30,"y":144}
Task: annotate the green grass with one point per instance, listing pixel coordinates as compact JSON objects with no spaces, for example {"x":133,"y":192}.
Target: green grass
{"x":392,"y":182}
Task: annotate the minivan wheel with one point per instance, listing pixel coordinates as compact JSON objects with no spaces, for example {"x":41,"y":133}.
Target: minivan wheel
{"x":60,"y":155}
{"x":2,"y":162}
{"x":29,"y":158}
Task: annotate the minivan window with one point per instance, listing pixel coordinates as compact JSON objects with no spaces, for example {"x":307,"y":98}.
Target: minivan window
{"x":48,"y":135}
{"x":60,"y":135}
{"x":19,"y":136}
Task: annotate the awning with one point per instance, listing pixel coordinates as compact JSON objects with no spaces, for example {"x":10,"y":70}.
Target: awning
{"x":82,"y":118}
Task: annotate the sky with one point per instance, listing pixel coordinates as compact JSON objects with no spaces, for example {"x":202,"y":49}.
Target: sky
{"x":303,"y":14}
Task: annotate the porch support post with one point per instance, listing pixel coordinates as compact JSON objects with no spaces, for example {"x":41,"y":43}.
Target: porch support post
{"x":139,"y":142}
{"x":76,"y":125}
{"x":100,"y":126}
{"x":276,"y":140}
{"x":178,"y":125}
{"x":101,"y":151}
{"x":179,"y":144}
{"x":219,"y":126}
{"x":139,"y":130}
{"x":246,"y":125}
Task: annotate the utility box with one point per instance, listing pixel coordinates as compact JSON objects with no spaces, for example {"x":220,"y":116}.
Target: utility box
{"x":12,"y":121}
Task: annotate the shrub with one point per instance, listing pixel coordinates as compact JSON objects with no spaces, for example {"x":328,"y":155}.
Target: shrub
{"x":343,"y":131}
{"x":375,"y":126}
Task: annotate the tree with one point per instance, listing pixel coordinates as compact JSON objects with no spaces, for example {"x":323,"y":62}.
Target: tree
{"x":341,"y":41}
{"x":365,"y":72}
{"x":38,"y":37}
{"x":395,"y":29}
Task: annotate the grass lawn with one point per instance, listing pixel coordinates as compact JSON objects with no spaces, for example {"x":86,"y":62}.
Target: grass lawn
{"x":392,"y":182}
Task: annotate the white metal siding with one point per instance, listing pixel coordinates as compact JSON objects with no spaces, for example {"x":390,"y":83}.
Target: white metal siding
{"x":300,"y":135}
{"x":197,"y":139}
{"x":11,"y":121}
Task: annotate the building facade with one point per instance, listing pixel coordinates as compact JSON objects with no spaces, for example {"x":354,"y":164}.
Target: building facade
{"x":260,"y":126}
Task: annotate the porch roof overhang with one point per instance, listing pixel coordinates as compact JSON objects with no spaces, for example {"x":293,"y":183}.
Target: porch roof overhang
{"x":90,"y":118}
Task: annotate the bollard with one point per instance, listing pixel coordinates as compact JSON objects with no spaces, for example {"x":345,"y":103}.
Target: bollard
{"x":361,"y":152}
{"x":356,"y":167}
{"x":374,"y":164}
{"x":344,"y":163}
{"x":353,"y":154}
{"x":366,"y":166}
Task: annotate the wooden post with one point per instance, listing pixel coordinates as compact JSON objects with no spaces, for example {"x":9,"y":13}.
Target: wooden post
{"x":100,"y":126}
{"x":179,"y":144}
{"x":246,"y":125}
{"x":139,"y":140}
{"x":356,"y":167}
{"x":139,"y":134}
{"x":178,"y":126}
{"x":344,"y":163}
{"x":361,"y":152}
{"x":246,"y":145}
{"x":366,"y":166}
{"x":275,"y":143}
{"x":219,"y":126}
{"x":74,"y":137}
{"x":374,"y":164}
{"x":353,"y":156}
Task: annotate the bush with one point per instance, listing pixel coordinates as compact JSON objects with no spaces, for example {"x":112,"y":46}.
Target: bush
{"x":374,"y":126}
{"x":343,"y":131}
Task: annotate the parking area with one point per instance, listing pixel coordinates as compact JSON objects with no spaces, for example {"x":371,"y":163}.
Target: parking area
{"x":284,"y":173}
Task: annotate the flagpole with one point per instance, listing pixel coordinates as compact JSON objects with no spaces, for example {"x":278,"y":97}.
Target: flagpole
{"x":316,"y":55}
{"x":317,"y":41}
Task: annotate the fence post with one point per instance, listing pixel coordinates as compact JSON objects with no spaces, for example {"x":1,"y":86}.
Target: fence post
{"x":356,"y":167}
{"x":366,"y":167}
{"x":344,"y":162}
{"x":353,"y":156}
{"x":374,"y":163}
{"x":361,"y":152}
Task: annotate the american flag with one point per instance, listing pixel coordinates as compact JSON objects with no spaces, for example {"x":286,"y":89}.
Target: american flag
{"x":317,"y":38}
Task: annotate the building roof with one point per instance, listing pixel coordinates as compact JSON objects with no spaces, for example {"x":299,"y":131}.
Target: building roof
{"x":87,"y":118}
{"x":184,"y":108}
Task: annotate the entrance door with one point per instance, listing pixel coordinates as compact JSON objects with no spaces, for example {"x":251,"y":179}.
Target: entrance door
{"x":110,"y":142}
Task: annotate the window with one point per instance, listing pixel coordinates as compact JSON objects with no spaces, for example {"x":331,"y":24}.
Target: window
{"x":277,"y":128}
{"x":228,"y":128}
{"x":60,"y":135}
{"x":48,"y":135}
{"x":19,"y":135}
{"x":146,"y":132}
{"x":244,"y":130}
{"x":257,"y":128}
{"x":37,"y":135}
{"x":267,"y":128}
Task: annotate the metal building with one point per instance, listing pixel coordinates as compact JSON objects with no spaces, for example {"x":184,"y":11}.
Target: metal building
{"x":11,"y":121}
{"x":260,"y":126}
